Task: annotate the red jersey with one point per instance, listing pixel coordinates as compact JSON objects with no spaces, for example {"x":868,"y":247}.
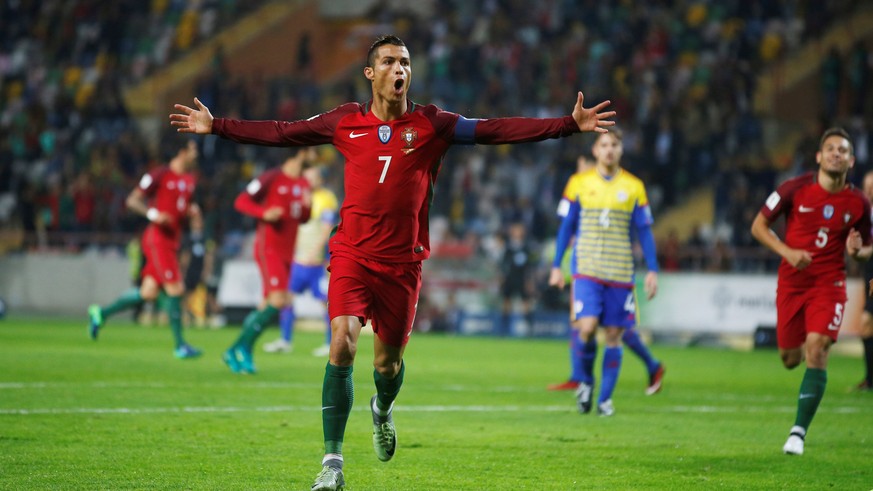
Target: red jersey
{"x":818,"y":222}
{"x":170,"y":193}
{"x":271,"y":189}
{"x":391,"y":166}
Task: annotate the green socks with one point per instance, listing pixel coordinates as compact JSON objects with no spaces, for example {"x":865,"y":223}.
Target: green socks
{"x":127,"y":300}
{"x":173,"y":305}
{"x":254,"y":325}
{"x":812,"y":390}
{"x":337,"y":397}
{"x":387,"y":389}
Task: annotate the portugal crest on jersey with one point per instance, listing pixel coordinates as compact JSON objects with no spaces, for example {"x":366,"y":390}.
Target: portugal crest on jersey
{"x":408,"y":136}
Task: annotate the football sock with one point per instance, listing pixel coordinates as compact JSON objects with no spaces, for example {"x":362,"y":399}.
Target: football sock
{"x":812,"y":390}
{"x":589,"y":354}
{"x":286,"y":323}
{"x":174,"y":315}
{"x":868,"y":358}
{"x":333,"y":460}
{"x":631,"y":339}
{"x":129,"y":298}
{"x":611,"y":368}
{"x":337,"y":397}
{"x":387,"y":389}
{"x":254,"y":325}
{"x":575,"y":356}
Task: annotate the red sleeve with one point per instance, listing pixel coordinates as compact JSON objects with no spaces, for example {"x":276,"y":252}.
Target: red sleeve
{"x":150,"y":182}
{"x":519,"y":130}
{"x":249,"y":201}
{"x":779,"y":202}
{"x":316,"y":130}
{"x":245,"y":204}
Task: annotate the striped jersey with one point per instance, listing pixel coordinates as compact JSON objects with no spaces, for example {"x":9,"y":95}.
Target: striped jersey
{"x":605,"y":212}
{"x":324,"y":212}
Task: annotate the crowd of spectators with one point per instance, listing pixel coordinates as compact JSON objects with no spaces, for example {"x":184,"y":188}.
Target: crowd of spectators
{"x":680,"y":74}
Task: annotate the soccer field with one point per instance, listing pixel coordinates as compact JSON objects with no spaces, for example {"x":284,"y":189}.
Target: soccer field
{"x":122,"y":413}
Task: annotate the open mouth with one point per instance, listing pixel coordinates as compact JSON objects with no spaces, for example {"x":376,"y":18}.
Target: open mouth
{"x":398,"y":84}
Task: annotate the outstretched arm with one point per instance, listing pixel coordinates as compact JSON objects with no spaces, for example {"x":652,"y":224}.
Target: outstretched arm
{"x":190,"y":120}
{"x":520,"y":130}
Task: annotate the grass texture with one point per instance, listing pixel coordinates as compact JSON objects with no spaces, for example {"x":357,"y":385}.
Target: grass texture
{"x":122,"y":413}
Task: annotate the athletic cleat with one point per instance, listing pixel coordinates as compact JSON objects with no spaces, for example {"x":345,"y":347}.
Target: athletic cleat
{"x":230,"y":359}
{"x":278,"y":346}
{"x":246,"y":362}
{"x":95,"y":321}
{"x":186,"y":351}
{"x":864,"y":386}
{"x":655,"y":380}
{"x":583,"y":397}
{"x":606,"y":408}
{"x":794,"y":445}
{"x":323,"y":350}
{"x":329,"y":479}
{"x":384,"y":434}
{"x":568,"y":385}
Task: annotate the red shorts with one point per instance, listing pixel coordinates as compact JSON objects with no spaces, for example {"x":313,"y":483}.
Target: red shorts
{"x":802,"y":311}
{"x":275,"y":270}
{"x":161,"y":259}
{"x":386,"y":293}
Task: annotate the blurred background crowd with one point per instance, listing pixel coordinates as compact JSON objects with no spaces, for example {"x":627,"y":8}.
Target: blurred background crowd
{"x":685,"y":77}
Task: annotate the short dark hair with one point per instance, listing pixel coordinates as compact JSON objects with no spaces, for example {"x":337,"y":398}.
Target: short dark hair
{"x":382,"y":41}
{"x":837,"y":131}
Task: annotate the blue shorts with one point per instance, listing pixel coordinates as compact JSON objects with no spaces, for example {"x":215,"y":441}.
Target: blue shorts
{"x":614,"y":306}
{"x":310,"y":278}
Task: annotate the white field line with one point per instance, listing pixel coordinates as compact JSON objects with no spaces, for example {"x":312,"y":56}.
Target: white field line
{"x":568,"y":408}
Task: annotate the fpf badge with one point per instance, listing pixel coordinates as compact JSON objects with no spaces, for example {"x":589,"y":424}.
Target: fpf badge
{"x":408,"y":136}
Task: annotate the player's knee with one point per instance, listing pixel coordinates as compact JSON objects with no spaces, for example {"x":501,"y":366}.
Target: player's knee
{"x":790,"y":359}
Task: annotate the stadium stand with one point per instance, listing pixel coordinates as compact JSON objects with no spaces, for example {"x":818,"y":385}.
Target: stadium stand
{"x":683,"y":78}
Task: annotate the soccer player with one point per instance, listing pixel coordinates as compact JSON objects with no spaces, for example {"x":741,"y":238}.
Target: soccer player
{"x":630,"y":337}
{"x":164,"y":197}
{"x":308,"y":269}
{"x":823,"y":214}
{"x":867,"y":316}
{"x":280,"y":199}
{"x":393,"y":149}
{"x":607,"y":205}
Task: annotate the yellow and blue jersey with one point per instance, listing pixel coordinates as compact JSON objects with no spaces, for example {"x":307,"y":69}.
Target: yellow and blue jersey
{"x":603,"y":213}
{"x":325,"y":207}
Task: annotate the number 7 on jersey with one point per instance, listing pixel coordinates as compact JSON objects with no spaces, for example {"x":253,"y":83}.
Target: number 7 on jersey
{"x":387,"y":160}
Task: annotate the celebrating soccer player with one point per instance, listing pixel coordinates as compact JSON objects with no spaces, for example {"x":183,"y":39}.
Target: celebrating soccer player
{"x":606,"y":204}
{"x":280,"y":199}
{"x":393,"y":149}
{"x":823,"y":214}
{"x":164,"y":197}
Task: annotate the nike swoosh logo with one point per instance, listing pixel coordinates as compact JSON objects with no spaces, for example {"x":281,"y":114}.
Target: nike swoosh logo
{"x":805,"y":209}
{"x":327,"y":407}
{"x":806,"y":396}
{"x":354,"y":135}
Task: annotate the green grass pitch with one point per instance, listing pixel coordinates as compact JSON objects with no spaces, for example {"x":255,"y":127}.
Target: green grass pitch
{"x":122,"y":413}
